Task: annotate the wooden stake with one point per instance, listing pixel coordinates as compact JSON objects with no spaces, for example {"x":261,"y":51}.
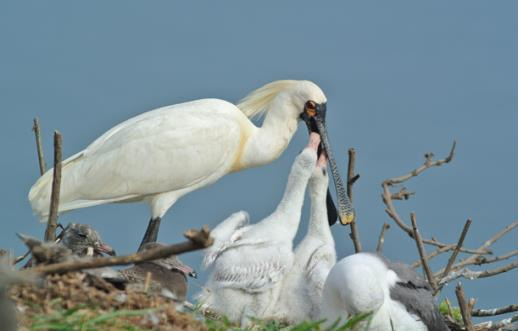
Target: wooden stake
{"x":50,"y":232}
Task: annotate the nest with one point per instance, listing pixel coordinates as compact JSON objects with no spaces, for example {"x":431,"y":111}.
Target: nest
{"x":81,"y":298}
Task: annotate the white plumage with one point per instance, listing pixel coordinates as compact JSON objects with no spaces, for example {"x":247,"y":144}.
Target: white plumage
{"x":163,"y":154}
{"x":250,"y":261}
{"x":315,"y":255}
{"x":398,"y":298}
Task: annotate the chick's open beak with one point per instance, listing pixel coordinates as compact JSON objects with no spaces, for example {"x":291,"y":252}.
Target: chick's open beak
{"x":315,"y":120}
{"x":104,"y":248}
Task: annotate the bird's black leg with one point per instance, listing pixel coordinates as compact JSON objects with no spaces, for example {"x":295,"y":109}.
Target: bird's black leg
{"x":151,"y":234}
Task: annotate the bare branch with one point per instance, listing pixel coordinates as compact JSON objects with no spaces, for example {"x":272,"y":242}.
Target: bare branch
{"x":499,"y":235}
{"x":422,"y":253}
{"x":490,"y":325}
{"x":39,"y":149}
{"x":381,"y":239}
{"x":494,"y":311}
{"x":198,"y":239}
{"x":433,"y":254}
{"x":470,"y":274}
{"x":456,"y":251}
{"x":427,"y":164}
{"x":480,"y":260}
{"x":50,"y":232}
{"x":461,"y":298}
{"x":351,"y":179}
{"x":387,"y":198}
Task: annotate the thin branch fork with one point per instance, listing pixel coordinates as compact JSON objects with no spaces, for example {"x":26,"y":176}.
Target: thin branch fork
{"x":461,"y":298}
{"x":52,"y":223}
{"x":391,"y":211}
{"x":422,"y":253}
{"x":427,"y":164}
{"x":403,"y":194}
{"x":499,"y":235}
{"x":351,"y":179}
{"x":470,"y":274}
{"x":494,"y":311}
{"x":479,"y":259}
{"x":433,"y":254}
{"x":456,"y":251}
{"x":197,"y":239}
{"x":388,"y":197}
{"x":39,"y":149}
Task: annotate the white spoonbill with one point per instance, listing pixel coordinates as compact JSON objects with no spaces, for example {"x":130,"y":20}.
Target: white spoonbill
{"x":159,"y":156}
{"x":397,"y":296}
{"x":315,"y":255}
{"x":251,"y":261}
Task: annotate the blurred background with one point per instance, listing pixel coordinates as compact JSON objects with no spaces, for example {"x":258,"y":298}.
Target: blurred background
{"x":402,"y":78}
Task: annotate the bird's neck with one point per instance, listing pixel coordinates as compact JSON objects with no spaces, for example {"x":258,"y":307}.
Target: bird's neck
{"x":318,"y":223}
{"x":266,"y":143}
{"x":290,"y":205}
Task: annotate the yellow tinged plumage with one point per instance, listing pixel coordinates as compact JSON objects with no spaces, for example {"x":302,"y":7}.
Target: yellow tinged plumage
{"x":256,"y":103}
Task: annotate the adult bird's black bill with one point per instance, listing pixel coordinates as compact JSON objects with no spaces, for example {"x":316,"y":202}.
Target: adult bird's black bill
{"x":314,"y":115}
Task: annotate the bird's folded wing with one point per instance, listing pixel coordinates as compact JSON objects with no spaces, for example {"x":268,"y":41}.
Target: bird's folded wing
{"x":318,"y":267}
{"x":252,"y":265}
{"x":157,"y":154}
{"x":222,"y":235}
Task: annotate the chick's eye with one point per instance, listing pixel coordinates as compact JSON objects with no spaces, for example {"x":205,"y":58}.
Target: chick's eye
{"x":81,"y":235}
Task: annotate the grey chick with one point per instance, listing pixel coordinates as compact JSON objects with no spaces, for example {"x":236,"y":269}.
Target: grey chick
{"x":168,"y":275}
{"x":83,"y":240}
{"x":75,"y":240}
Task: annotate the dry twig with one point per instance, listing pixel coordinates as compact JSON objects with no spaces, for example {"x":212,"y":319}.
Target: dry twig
{"x":50,"y":232}
{"x":427,"y":164}
{"x":453,"y":269}
{"x":198,"y":239}
{"x":39,"y":149}
{"x":381,"y":239}
{"x":453,"y":256}
{"x":403,"y":194}
{"x":461,"y":298}
{"x":479,"y":259}
{"x":422,"y":253}
{"x":351,"y":179}
{"x":494,"y":311}
{"x":490,"y":325}
{"x":387,"y":197}
{"x":470,"y":274}
{"x":433,"y":254}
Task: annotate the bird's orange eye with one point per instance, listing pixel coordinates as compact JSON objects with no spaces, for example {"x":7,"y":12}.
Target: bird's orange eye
{"x":311,"y":108}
